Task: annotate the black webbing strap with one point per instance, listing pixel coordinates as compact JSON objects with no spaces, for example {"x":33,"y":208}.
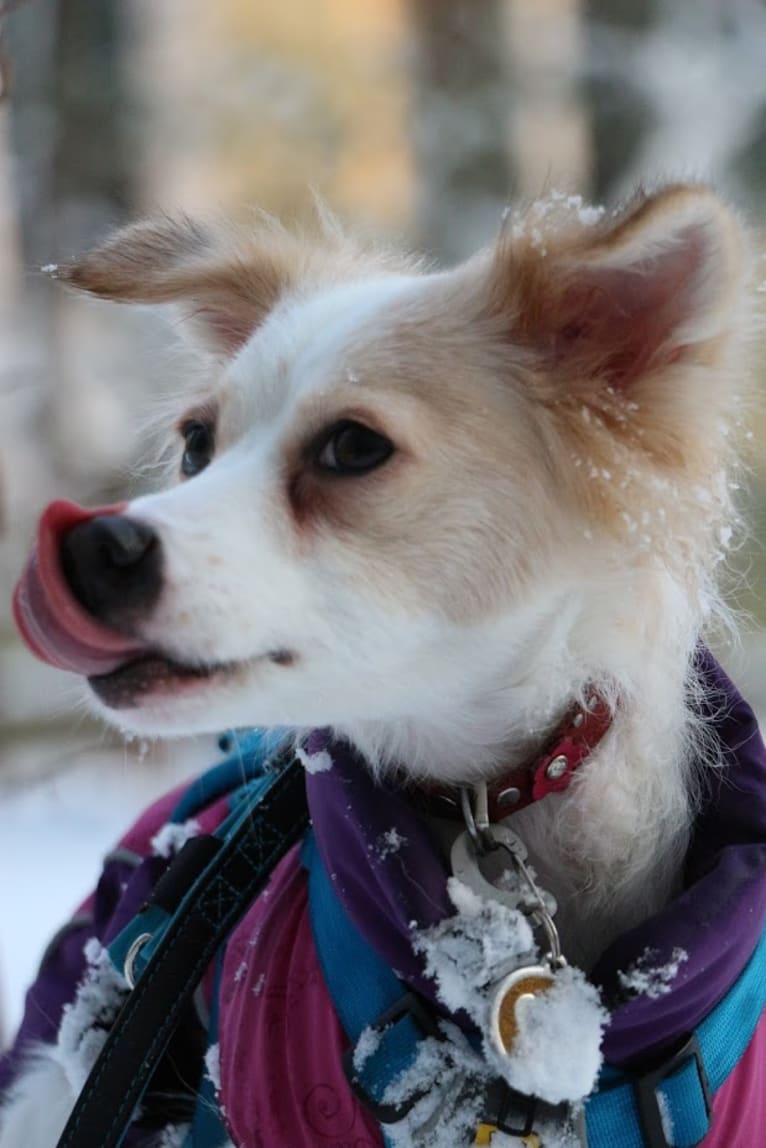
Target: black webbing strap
{"x":239,"y":869}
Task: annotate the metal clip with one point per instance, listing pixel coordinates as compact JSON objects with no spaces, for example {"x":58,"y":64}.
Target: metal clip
{"x":129,"y":965}
{"x":538,"y":903}
{"x":476,"y":818}
{"x":541,"y":905}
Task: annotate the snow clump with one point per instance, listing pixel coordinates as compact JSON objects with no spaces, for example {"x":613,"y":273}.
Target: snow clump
{"x":318,"y":762}
{"x":646,"y":978}
{"x":557,"y":1051}
{"x":171,"y":839}
{"x":389,"y":842}
{"x":213,"y":1067}
{"x":556,"y":1054}
{"x":85,"y":1023}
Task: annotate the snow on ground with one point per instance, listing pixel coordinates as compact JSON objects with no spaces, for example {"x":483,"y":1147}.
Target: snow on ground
{"x":53,"y":835}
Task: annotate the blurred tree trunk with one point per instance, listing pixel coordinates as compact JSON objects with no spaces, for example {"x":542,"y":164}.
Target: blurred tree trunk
{"x":620,"y":117}
{"x":93,"y":161}
{"x":550,"y":129}
{"x":74,"y":165}
{"x":744,"y":25}
{"x":678,"y":84}
{"x":460,"y":122}
{"x":69,"y":130}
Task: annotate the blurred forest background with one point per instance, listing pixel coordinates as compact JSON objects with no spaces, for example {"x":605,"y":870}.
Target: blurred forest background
{"x":418,"y":119}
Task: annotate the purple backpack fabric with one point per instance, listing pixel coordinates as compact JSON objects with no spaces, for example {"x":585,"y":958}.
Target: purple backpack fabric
{"x":280,"y":1043}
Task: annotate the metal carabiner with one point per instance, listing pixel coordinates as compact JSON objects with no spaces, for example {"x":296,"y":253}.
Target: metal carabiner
{"x":538,"y":903}
{"x":543,"y":904}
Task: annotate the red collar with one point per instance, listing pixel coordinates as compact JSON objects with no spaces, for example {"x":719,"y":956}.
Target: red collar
{"x":551,"y":771}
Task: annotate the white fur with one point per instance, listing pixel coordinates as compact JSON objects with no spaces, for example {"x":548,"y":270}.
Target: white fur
{"x":37,"y":1106}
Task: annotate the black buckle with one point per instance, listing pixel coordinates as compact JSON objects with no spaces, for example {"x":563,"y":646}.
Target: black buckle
{"x":510,"y":1105}
{"x":408,"y":1005}
{"x":645,"y":1084}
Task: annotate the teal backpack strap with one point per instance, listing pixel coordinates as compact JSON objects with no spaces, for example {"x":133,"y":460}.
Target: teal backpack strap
{"x":675,"y":1098}
{"x":367,"y":995}
{"x":248,"y":754}
{"x":246,"y":775}
{"x":668,"y":1106}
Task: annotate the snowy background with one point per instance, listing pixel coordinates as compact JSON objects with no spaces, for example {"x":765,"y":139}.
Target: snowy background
{"x":415,"y":118}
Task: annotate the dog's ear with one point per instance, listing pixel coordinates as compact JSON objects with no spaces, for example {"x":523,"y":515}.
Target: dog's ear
{"x":225,"y":279}
{"x":610,"y":302}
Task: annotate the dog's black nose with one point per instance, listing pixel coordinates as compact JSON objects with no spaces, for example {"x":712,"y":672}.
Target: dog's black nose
{"x":113,"y":565}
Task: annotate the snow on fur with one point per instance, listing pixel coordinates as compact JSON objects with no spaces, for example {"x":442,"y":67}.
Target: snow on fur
{"x":86,"y":1021}
{"x":556,"y":206}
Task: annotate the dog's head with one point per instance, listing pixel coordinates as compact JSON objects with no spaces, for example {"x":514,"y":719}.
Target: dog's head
{"x":401,"y":491}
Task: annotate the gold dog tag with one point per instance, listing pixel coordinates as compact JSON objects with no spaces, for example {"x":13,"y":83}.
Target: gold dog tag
{"x":511,"y":995}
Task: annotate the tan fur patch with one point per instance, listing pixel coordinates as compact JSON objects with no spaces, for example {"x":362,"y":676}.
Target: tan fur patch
{"x":229,"y":276}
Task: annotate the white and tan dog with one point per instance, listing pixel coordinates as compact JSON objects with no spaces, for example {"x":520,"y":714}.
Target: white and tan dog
{"x":426,"y":509}
{"x":429,"y":509}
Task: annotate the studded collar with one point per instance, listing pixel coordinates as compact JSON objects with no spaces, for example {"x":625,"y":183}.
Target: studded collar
{"x":549,"y":771}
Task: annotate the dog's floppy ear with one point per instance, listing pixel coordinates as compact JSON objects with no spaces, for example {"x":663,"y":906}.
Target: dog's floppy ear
{"x":226,"y":279}
{"x":610,"y":302}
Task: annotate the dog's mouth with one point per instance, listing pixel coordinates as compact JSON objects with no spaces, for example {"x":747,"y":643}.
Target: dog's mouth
{"x":152,"y":675}
{"x":120,"y":668}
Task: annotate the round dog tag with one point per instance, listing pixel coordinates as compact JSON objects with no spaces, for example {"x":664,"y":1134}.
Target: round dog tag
{"x":512,"y":994}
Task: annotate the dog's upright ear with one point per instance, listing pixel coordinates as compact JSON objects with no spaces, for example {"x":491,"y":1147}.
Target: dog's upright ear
{"x":609,"y":300}
{"x":224,"y":278}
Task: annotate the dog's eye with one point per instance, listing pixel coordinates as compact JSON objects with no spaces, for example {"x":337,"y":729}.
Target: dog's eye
{"x":198,"y":437}
{"x":352,"y":448}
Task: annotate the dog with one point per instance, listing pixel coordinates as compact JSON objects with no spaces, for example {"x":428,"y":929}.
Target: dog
{"x":431,"y":511}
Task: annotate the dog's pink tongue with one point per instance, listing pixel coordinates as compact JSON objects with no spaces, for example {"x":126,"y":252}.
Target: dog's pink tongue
{"x":50,"y":619}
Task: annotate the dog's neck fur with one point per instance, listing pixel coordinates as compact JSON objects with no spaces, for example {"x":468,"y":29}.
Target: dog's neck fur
{"x":611,"y":848}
